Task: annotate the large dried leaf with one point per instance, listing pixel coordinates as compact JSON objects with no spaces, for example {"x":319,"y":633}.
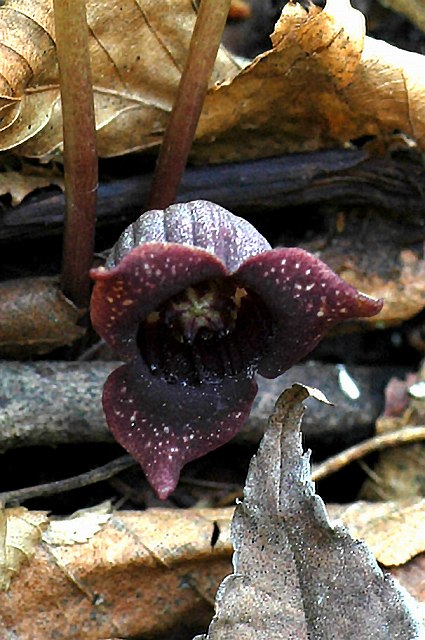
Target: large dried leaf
{"x":323,"y":84}
{"x":129,"y":574}
{"x":294,"y":575}
{"x":138,"y":50}
{"x":134,"y":573}
{"x":35,"y":317}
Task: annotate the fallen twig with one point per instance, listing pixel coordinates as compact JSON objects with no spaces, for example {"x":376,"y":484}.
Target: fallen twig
{"x":75,"y":482}
{"x":377,"y":443}
{"x":321,"y":471}
{"x":51,"y":402}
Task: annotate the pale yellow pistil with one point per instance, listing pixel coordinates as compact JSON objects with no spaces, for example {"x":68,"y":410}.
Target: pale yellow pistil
{"x":197,"y":311}
{"x":213,"y":310}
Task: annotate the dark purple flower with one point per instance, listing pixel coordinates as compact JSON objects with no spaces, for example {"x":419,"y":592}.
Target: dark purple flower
{"x":195,"y":301}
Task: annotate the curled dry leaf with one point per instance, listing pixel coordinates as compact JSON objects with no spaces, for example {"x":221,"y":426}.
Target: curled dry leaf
{"x":143,"y":574}
{"x":294,"y":575}
{"x":138,"y":50}
{"x":323,"y":84}
{"x":35,"y":317}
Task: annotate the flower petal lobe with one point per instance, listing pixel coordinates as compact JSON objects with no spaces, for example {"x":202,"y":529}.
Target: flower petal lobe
{"x":305,"y":299}
{"x":164,"y":426}
{"x":124,"y":296}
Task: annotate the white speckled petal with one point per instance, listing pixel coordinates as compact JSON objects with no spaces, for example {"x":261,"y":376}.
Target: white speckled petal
{"x":145,"y":278}
{"x":305,"y":299}
{"x":164,"y":426}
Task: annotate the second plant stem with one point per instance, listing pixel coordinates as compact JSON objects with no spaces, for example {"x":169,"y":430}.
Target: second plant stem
{"x":190,"y":97}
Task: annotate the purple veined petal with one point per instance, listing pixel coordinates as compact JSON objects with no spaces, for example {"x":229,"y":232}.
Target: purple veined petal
{"x":198,"y":223}
{"x":305,"y":299}
{"x":164,"y":426}
{"x":123,"y":296}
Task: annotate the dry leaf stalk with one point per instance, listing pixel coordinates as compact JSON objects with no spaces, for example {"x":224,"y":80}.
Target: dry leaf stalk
{"x":378,"y":443}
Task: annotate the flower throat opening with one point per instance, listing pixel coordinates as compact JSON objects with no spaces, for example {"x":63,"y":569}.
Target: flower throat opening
{"x":208,"y":331}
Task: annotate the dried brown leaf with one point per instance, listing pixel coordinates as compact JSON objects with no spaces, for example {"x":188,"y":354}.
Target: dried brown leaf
{"x":380,"y":255}
{"x":394,"y":531}
{"x":412,"y":577}
{"x":79,"y":527}
{"x":143,"y":574}
{"x":294,"y":575}
{"x":323,"y":84}
{"x":20,"y":183}
{"x":35,"y":317}
{"x":134,"y":573}
{"x":137,"y":49}
{"x":404,"y":292}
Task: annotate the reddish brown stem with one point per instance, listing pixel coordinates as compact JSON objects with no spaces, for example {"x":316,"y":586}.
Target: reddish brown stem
{"x":80,"y":157}
{"x":188,"y":104}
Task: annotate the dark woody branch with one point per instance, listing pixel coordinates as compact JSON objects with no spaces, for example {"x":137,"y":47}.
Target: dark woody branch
{"x":342,"y":177}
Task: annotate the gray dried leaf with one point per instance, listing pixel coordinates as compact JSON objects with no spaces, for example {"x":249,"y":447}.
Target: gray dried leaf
{"x":296,"y":577}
